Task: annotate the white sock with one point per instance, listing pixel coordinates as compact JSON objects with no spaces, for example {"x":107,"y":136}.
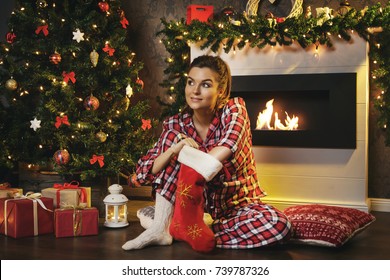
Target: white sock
{"x":158,"y":232}
{"x":146,"y":216}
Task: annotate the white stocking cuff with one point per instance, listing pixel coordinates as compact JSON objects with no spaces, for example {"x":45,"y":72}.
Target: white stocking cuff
{"x":203,"y":163}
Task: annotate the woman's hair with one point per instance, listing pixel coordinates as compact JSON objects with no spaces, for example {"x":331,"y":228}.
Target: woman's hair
{"x":216,"y":64}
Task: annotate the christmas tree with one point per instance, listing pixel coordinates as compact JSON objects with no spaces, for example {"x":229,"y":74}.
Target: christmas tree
{"x":67,"y":80}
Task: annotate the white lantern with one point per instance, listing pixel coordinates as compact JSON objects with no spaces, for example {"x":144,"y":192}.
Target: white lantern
{"x":116,"y":207}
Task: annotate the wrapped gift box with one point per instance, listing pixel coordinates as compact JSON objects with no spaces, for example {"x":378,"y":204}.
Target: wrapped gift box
{"x":64,"y":195}
{"x":23,"y":217}
{"x":76,"y":222}
{"x":10,"y":192}
{"x":201,"y":13}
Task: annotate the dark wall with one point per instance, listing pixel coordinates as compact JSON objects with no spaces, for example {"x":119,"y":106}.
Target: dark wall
{"x":144,"y":17}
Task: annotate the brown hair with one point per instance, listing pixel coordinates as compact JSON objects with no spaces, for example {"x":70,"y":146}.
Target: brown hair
{"x":216,"y":64}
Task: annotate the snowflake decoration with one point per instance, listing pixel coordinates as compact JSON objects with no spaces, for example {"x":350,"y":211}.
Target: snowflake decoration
{"x":35,"y":124}
{"x":194,"y":231}
{"x":78,"y":36}
{"x":184,"y":193}
{"x":129,"y":91}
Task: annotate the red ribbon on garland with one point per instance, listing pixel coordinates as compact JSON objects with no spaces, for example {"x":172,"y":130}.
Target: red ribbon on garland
{"x":61,"y":120}
{"x":74,"y":185}
{"x":44,"y":29}
{"x":97,"y":158}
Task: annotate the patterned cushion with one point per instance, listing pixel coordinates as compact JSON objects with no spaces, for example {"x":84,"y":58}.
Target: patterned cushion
{"x":324,"y":225}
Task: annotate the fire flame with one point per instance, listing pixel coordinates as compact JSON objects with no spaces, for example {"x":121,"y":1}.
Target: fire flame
{"x":264,"y":119}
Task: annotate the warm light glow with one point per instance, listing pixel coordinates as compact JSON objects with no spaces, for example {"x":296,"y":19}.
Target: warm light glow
{"x":265,"y":117}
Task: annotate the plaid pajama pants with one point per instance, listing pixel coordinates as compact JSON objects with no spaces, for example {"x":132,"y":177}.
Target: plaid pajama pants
{"x":251,"y":226}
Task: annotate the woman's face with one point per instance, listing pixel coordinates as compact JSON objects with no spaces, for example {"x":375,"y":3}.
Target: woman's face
{"x":202,"y":89}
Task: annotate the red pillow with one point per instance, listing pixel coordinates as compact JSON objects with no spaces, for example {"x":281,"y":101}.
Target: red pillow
{"x":324,"y":225}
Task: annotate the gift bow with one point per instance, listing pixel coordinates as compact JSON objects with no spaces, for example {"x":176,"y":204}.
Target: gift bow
{"x":74,"y":185}
{"x":4,"y":186}
{"x":97,"y":158}
{"x":61,"y":120}
{"x":43,"y":28}
{"x":69,"y":76}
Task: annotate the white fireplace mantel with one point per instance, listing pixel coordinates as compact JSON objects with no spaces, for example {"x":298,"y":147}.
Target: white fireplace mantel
{"x":293,"y":176}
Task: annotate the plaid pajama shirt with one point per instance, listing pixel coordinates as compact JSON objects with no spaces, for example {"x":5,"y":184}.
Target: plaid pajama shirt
{"x":233,"y":197}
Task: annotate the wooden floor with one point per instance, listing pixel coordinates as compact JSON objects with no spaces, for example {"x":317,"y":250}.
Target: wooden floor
{"x":371,"y":244}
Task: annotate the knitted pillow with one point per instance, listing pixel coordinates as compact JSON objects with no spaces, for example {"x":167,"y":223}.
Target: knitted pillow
{"x":324,"y":225}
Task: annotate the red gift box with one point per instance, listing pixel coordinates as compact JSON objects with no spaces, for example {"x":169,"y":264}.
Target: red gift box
{"x":24,"y":217}
{"x":76,"y":222}
{"x":201,"y":13}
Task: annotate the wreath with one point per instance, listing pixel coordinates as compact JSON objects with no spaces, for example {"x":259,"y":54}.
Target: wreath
{"x":252,"y":7}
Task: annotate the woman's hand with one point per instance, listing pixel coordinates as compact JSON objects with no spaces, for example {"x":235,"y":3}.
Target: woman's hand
{"x":186,"y":141}
{"x":163,"y":159}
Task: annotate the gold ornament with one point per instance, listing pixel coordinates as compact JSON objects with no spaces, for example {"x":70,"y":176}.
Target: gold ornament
{"x":122,"y":104}
{"x":55,"y":58}
{"x":91,"y":103}
{"x":101,"y":136}
{"x":94,"y":56}
{"x":11,"y":84}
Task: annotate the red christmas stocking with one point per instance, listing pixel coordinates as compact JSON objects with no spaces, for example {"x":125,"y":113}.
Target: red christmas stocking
{"x":187,"y":224}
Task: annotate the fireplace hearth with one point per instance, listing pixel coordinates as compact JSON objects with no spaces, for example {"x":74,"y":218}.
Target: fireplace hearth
{"x":324,"y":103}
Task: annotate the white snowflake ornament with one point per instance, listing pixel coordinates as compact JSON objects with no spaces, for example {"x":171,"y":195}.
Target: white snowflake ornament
{"x":129,"y":91}
{"x":78,"y":35}
{"x":35,"y":124}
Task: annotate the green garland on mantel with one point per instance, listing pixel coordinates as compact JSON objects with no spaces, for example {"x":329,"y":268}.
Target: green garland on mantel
{"x":223,"y":33}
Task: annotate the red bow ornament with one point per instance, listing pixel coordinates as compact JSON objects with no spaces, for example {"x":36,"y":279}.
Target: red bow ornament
{"x":124,"y":22}
{"x":97,"y":158}
{"x":44,"y":29}
{"x":69,"y":76}
{"x":61,"y":120}
{"x":146,"y":124}
{"x":10,"y":37}
{"x":109,"y":50}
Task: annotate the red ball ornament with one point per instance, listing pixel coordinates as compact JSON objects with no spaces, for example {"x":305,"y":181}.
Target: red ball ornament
{"x":104,"y":6}
{"x":140,"y":82}
{"x":61,"y":157}
{"x":91,"y":103}
{"x":55,"y":58}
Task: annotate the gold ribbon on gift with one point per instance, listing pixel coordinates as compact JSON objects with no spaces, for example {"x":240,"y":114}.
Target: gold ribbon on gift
{"x":77,"y":216}
{"x":35,"y":198}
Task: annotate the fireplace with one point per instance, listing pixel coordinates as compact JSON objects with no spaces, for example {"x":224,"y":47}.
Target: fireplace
{"x":325,"y":105}
{"x":308,"y":165}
